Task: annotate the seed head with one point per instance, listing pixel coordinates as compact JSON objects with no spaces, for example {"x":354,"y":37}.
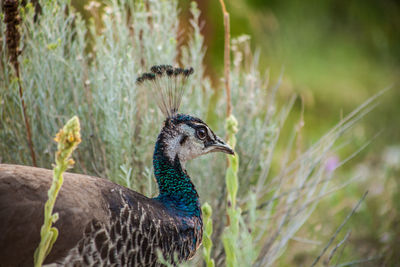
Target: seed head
{"x":13,"y":36}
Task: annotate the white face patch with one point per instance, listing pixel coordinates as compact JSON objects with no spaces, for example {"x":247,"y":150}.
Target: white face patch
{"x":191,"y":148}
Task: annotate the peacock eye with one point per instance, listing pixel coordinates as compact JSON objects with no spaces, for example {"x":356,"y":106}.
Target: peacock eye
{"x":201,"y":133}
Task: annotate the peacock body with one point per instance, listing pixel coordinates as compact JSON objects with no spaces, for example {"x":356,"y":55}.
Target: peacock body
{"x":105,"y":224}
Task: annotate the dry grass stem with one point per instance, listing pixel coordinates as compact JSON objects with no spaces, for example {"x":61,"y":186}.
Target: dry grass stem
{"x":227,"y":59}
{"x":339,"y":229}
{"x":13,"y":36}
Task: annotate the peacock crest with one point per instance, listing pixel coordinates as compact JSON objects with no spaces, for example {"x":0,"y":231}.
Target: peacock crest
{"x":168,"y":85}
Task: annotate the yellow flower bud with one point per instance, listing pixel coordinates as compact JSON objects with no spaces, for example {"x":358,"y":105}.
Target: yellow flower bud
{"x":71,"y":138}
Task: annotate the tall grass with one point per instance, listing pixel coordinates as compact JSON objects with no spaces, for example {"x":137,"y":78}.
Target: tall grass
{"x":69,"y":66}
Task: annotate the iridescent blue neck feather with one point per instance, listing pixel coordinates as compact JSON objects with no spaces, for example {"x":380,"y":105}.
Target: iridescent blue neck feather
{"x":177,"y":191}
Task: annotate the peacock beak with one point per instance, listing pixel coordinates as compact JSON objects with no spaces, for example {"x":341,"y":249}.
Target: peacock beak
{"x":220,"y":146}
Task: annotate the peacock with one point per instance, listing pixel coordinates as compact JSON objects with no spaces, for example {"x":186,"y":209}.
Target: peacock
{"x":105,"y":224}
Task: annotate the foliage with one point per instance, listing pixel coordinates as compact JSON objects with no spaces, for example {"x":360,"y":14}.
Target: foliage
{"x":70,"y":66}
{"x":207,"y":241}
{"x":231,"y":232}
{"x":68,"y":139}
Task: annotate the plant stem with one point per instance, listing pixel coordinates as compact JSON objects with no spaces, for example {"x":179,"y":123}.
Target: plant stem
{"x":68,"y":139}
{"x":208,"y":229}
{"x":227,"y":59}
{"x":26,"y":120}
{"x":13,"y":37}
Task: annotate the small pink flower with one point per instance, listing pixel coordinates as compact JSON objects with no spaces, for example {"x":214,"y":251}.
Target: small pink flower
{"x":332,"y":163}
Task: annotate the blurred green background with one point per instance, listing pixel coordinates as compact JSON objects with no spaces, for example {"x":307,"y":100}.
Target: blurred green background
{"x":335,"y":55}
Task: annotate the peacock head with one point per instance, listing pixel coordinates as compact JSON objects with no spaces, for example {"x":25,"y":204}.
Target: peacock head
{"x":183,"y":136}
{"x":186,"y":137}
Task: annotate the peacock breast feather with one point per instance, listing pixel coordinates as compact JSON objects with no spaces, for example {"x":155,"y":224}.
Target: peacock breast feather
{"x":140,"y":230}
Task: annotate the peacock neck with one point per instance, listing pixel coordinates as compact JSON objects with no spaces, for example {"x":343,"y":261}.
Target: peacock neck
{"x":176,"y":189}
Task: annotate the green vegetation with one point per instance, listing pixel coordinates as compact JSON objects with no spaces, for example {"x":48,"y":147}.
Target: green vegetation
{"x":291,"y":194}
{"x":231,"y":232}
{"x":207,"y":241}
{"x":68,"y":139}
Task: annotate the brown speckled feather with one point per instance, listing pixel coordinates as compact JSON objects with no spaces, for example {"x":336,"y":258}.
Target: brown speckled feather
{"x":100,"y":223}
{"x":23,"y":192}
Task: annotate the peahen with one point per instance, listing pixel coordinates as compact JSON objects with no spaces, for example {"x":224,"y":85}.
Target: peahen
{"x":104,"y":224}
